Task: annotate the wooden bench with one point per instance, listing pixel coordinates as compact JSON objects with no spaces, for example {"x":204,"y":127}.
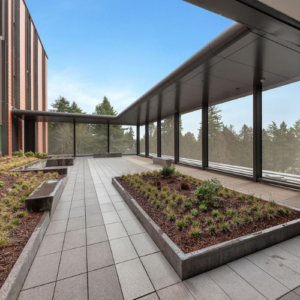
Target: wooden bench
{"x":162,"y":161}
{"x":102,"y":155}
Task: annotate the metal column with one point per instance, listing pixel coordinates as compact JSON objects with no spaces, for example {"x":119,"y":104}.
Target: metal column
{"x":158,"y":137}
{"x":257,"y":132}
{"x":74,"y":138}
{"x":147,"y":139}
{"x":204,"y":135}
{"x":138,"y":139}
{"x":176,"y":137}
{"x":108,"y":139}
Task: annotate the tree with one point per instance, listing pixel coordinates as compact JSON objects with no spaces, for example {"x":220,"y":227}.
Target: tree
{"x":105,"y":108}
{"x":61,"y":105}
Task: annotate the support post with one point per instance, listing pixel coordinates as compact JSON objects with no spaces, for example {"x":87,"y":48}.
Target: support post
{"x":147,"y":139}
{"x":74,"y":139}
{"x":176,"y":137}
{"x":138,"y":139}
{"x":108,"y":138}
{"x":257,"y":132}
{"x":158,"y":137}
{"x":204,"y":135}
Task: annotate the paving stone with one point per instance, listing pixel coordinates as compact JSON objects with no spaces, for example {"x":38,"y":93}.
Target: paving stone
{"x":43,"y":270}
{"x":121,"y":206}
{"x":44,"y":292}
{"x":108,"y":207}
{"x":56,"y":227}
{"x":260,"y":280}
{"x":203,"y":287}
{"x":176,"y":291}
{"x":297,"y":290}
{"x":77,"y":203}
{"x":67,"y":193}
{"x":159,"y":270}
{"x":104,"y":199}
{"x":116,"y":198}
{"x":104,"y":284}
{"x":233,"y":285}
{"x":74,"y":288}
{"x":122,"y":250}
{"x":133,"y":279}
{"x":78,"y":196}
{"x":74,"y":239}
{"x":90,"y":202}
{"x":277,"y":270}
{"x":133,"y":227}
{"x":92,"y":210}
{"x":126,"y":215}
{"x":94,"y":220}
{"x":143,"y":244}
{"x":51,"y":244}
{"x":73,"y":262}
{"x":99,"y":256}
{"x":90,"y":195}
{"x":290,"y":296}
{"x":96,"y":235}
{"x":284,"y":257}
{"x":111,"y":217}
{"x":152,"y":296}
{"x":115,"y":231}
{"x":63,"y":205}
{"x":76,"y":223}
{"x":60,"y":215}
{"x":77,"y":212}
{"x":291,"y":246}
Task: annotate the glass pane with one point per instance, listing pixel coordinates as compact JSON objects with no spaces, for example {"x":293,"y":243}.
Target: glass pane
{"x":190,"y":141}
{"x":230,"y":136}
{"x":142,"y":140}
{"x":60,"y":139}
{"x":281,"y":133}
{"x":91,"y":139}
{"x":167,"y":137}
{"x":122,"y":139}
{"x":153,"y":139}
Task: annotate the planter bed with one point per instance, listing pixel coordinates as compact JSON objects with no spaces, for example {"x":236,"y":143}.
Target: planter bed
{"x":16,"y":223}
{"x":195,"y":248}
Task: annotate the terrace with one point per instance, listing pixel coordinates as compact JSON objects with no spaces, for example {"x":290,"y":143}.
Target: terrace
{"x":95,"y":248}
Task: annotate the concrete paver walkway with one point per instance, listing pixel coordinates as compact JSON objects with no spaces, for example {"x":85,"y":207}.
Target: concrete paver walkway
{"x":95,"y":248}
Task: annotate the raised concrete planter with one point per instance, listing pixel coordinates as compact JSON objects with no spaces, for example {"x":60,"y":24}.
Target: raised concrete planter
{"x":13,"y":284}
{"x":103,"y":155}
{"x":197,"y":262}
{"x":162,"y":161}
{"x":45,"y":197}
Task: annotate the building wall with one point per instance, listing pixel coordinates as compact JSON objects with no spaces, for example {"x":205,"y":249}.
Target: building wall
{"x":21,"y":41}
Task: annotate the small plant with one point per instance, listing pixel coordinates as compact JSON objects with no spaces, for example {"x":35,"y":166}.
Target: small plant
{"x":167,"y":171}
{"x":215,"y":213}
{"x":15,"y":222}
{"x":254,"y":207}
{"x":258,"y":215}
{"x":212,"y":229}
{"x":187,"y":205}
{"x":1,"y":183}
{"x":194,"y":212}
{"x":165,"y":188}
{"x":231,"y":212}
{"x":179,"y":199}
{"x":188,"y":218}
{"x":237,"y":222}
{"x":174,"y":195}
{"x":244,"y":210}
{"x":240,"y":197}
{"x":162,"y":196}
{"x":215,"y":204}
{"x":157,"y":184}
{"x":203,"y":207}
{"x":181,"y":224}
{"x":209,"y":221}
{"x":258,"y":200}
{"x":208,"y":190}
{"x":172,"y":204}
{"x":225,"y":227}
{"x":227,"y":195}
{"x":247,"y":219}
{"x":167,"y":200}
{"x":272,"y":204}
{"x":221,"y":193}
{"x":189,"y":199}
{"x":184,"y":186}
{"x":159,"y":205}
{"x":196,"y":224}
{"x":18,"y":153}
{"x":148,"y":195}
{"x":288,"y":210}
{"x":279,"y":210}
{"x":270,"y":212}
{"x":250,"y":198}
{"x":195,"y":232}
{"x":220,"y":218}
{"x":21,"y":214}
{"x":171,"y":216}
{"x":180,"y":211}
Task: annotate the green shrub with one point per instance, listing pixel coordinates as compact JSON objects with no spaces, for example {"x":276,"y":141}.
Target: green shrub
{"x":179,"y":199}
{"x":194,"y":212}
{"x":174,"y":195}
{"x":1,"y":183}
{"x":237,"y":222}
{"x":240,"y":197}
{"x":203,"y":207}
{"x":209,"y":221}
{"x":29,"y":153}
{"x":208,"y":190}
{"x":231,"y":212}
{"x":258,"y":215}
{"x":187,"y":205}
{"x":180,"y":224}
{"x":188,"y":218}
{"x":195,"y":232}
{"x":167,"y":171}
{"x":212,"y":229}
{"x":18,"y":153}
{"x":215,"y":212}
{"x":220,"y":218}
{"x":171,"y":216}
{"x":225,"y":227}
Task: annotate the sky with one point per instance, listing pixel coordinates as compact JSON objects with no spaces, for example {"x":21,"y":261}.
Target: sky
{"x":121,"y":49}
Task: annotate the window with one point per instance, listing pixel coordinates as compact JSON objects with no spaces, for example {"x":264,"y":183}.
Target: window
{"x":142,"y":140}
{"x":167,"y":137}
{"x":122,"y":139}
{"x":153,"y":139}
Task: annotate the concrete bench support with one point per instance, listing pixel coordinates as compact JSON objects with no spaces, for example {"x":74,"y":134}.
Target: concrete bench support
{"x":162,"y":161}
{"x":103,"y":155}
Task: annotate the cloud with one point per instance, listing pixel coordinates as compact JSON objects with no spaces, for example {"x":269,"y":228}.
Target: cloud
{"x":87,"y":94}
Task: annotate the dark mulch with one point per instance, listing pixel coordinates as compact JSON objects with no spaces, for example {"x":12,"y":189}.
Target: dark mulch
{"x":19,"y":237}
{"x":182,"y":238}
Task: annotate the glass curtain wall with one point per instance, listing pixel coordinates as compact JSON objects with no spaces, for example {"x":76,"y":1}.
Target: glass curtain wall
{"x":190,"y":138}
{"x":281,"y":133}
{"x":60,"y":139}
{"x":167,"y":137}
{"x":230,"y":136}
{"x":122,"y":139}
{"x":153,"y":139}
{"x":91,"y":139}
{"x":142,"y":140}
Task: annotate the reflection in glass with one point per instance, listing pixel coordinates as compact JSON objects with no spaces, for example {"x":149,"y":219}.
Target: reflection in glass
{"x":142,"y":140}
{"x":122,"y":139}
{"x":167,"y":137}
{"x":153,"y":139}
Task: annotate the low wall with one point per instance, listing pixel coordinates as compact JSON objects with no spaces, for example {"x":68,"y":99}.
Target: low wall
{"x":103,"y":155}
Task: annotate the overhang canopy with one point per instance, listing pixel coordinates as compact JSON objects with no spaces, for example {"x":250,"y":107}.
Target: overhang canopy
{"x":223,"y":70}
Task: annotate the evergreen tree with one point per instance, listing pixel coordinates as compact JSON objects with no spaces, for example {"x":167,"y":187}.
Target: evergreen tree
{"x":61,"y":105}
